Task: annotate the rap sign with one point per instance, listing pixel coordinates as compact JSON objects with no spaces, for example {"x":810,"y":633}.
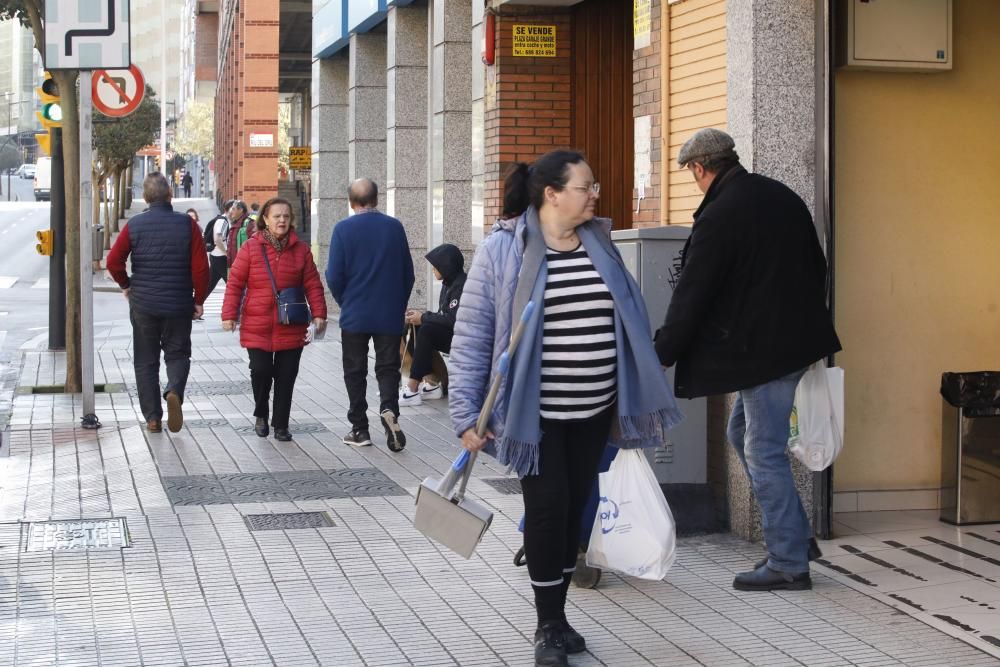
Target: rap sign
{"x":535,"y":41}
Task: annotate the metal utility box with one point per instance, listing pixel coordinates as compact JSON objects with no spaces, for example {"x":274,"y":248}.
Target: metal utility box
{"x":651,"y":255}
{"x":901,"y":35}
{"x":970,"y":466}
{"x":97,"y":247}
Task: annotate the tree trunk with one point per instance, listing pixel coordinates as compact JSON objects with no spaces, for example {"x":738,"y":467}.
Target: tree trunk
{"x":66,"y":80}
{"x":122,"y":188}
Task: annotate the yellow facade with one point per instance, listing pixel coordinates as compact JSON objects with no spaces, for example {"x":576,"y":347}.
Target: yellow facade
{"x":917,"y":207}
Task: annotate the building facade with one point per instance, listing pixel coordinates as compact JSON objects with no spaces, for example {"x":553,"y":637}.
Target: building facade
{"x":20,"y":72}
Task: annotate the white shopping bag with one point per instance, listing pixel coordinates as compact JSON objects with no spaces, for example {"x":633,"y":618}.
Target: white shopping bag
{"x":816,"y":429}
{"x":634,"y":532}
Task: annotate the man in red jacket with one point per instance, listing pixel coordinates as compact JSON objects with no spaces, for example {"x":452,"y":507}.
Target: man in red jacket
{"x":166,"y":291}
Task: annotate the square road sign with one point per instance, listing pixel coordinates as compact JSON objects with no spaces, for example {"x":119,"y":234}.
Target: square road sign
{"x":87,"y":34}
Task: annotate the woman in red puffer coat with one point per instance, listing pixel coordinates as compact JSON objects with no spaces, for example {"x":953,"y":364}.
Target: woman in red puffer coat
{"x":274,"y":348}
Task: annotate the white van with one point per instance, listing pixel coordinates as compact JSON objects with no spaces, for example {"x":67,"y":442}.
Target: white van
{"x":43,"y":179}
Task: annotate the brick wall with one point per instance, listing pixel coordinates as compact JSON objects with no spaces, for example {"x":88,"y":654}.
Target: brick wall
{"x":646,"y":101}
{"x":527,"y":109}
{"x":206,"y":47}
{"x":247,"y":103}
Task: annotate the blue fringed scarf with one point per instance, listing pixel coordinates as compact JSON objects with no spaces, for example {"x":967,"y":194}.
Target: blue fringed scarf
{"x":645,"y":405}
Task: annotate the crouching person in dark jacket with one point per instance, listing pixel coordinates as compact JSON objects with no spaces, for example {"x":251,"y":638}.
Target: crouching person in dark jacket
{"x":434,"y":330}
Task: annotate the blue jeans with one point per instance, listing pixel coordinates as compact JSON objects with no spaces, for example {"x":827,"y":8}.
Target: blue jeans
{"x":758,"y":431}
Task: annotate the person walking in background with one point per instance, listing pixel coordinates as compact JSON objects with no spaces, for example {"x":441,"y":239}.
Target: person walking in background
{"x":239,"y":220}
{"x":193,"y":214}
{"x":585,"y":372}
{"x":216,"y":232}
{"x":749,"y":315}
{"x":186,"y":183}
{"x":166,"y":291}
{"x":274,"y":349}
{"x":434,"y":330}
{"x":370,"y":274}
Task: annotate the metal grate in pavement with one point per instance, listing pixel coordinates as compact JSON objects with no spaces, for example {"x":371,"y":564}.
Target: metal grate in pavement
{"x":75,"y":534}
{"x":220,"y":388}
{"x":284,"y":486}
{"x":302,"y":427}
{"x":241,"y":362}
{"x":510,"y":486}
{"x":205,"y":423}
{"x":289,"y":521}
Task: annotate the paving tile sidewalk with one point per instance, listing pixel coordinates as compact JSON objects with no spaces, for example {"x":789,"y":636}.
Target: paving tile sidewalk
{"x":197,"y":586}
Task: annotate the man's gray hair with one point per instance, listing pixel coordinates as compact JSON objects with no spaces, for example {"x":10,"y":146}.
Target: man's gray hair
{"x":363,"y":192}
{"x":156,"y":189}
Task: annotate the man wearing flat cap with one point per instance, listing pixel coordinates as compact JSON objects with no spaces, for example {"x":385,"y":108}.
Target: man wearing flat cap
{"x":749,"y":315}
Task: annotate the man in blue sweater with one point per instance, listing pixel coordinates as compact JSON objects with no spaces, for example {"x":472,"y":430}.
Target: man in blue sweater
{"x":370,"y":274}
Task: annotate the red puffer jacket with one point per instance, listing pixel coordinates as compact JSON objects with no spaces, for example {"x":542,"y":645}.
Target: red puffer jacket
{"x":259,"y":328}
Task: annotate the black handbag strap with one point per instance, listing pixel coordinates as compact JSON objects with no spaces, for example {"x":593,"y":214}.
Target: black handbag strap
{"x":267,"y":265}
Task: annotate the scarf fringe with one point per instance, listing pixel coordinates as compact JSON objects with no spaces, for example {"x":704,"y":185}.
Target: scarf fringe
{"x":642,"y":431}
{"x":519,"y":456}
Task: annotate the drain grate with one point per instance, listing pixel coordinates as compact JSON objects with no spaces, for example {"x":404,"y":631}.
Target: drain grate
{"x":205,"y":423}
{"x":510,"y":486}
{"x":213,"y":388}
{"x":303,"y":427}
{"x":74,"y":535}
{"x":288,"y":521}
{"x":279,"y":486}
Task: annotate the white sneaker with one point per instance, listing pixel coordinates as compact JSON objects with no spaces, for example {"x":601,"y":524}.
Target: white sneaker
{"x":430,"y":392}
{"x":406,"y":399}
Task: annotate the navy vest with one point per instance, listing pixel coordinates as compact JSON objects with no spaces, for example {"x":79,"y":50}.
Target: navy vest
{"x":161,"y":282}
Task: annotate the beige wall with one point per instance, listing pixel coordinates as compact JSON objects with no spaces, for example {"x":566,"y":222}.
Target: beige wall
{"x":917,"y":195}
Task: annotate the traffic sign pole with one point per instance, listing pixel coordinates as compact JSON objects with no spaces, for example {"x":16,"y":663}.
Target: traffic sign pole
{"x":57,"y":263}
{"x":89,"y":418}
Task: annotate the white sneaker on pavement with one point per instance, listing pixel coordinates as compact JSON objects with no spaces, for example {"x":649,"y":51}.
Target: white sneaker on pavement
{"x":430,"y":392}
{"x":406,"y":399}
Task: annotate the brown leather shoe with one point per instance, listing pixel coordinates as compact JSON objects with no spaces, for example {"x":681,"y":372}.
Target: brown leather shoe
{"x":175,"y":416}
{"x":153,"y":425}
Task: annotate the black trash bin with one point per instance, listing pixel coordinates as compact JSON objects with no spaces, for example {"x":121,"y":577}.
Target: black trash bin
{"x":970,"y":447}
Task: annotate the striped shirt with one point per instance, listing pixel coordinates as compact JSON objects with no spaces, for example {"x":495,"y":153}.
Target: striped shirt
{"x":579,"y":364}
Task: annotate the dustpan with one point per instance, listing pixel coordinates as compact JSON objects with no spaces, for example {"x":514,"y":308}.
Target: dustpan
{"x":443,"y":512}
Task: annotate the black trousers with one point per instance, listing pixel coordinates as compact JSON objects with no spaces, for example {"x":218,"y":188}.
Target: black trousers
{"x":387,"y":362}
{"x":220,"y":271}
{"x":430,"y":337}
{"x":150,"y":336}
{"x":187,"y":190}
{"x":281,"y":368}
{"x":570,"y":452}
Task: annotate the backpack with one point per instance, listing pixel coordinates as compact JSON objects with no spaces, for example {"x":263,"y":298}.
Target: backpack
{"x":241,"y":236}
{"x":208,"y":236}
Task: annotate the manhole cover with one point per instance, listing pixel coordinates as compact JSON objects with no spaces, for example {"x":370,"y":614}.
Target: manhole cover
{"x":215,"y":388}
{"x":288,"y":521}
{"x":507,"y":485}
{"x":304,"y":427}
{"x":75,"y":534}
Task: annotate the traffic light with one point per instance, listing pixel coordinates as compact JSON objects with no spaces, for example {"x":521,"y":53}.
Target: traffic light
{"x":50,"y":114}
{"x":44,"y":245}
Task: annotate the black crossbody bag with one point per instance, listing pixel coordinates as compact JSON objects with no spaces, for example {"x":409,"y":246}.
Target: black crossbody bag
{"x":291,"y":301}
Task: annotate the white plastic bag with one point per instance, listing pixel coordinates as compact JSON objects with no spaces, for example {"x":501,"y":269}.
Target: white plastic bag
{"x":634,"y":532}
{"x":816,"y":429}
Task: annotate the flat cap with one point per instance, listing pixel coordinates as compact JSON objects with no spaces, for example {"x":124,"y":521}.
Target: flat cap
{"x":707,"y":142}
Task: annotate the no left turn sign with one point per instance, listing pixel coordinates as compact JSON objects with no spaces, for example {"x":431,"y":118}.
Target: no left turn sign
{"x":118,"y":92}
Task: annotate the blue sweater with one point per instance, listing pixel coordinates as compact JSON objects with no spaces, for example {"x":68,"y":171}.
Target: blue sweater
{"x":370,"y":273}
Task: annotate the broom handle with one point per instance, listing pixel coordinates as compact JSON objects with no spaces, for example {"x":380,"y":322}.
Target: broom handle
{"x":491,"y":397}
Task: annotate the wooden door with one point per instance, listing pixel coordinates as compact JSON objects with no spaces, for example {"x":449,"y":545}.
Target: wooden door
{"x":601,"y":113}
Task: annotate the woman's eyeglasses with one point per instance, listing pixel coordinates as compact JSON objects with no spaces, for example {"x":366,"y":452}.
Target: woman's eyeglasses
{"x":595,"y":188}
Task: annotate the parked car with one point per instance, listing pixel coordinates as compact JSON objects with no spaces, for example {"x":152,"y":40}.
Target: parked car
{"x":26,"y":171}
{"x":43,"y":179}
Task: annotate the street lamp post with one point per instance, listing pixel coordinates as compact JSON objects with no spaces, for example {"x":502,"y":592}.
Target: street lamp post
{"x":10,"y":103}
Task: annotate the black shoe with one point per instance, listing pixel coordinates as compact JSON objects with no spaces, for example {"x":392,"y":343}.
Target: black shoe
{"x":550,"y":645}
{"x":573,"y":640}
{"x":282,"y":435}
{"x":814,"y":554}
{"x":260,"y":428}
{"x":393,"y":433}
{"x":358,"y":437}
{"x":766,"y":579}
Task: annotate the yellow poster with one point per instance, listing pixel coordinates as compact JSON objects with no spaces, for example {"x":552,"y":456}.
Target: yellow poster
{"x":300,"y":157}
{"x":535,"y":41}
{"x":641,"y":21}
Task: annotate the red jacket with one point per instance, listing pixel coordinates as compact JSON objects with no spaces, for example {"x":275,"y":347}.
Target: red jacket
{"x":259,"y":328}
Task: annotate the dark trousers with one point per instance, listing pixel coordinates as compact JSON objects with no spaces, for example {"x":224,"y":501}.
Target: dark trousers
{"x":553,"y":504}
{"x":220,"y":271}
{"x":150,"y":336}
{"x":430,"y":338}
{"x":187,"y":190}
{"x":387,"y":362}
{"x":281,"y":368}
